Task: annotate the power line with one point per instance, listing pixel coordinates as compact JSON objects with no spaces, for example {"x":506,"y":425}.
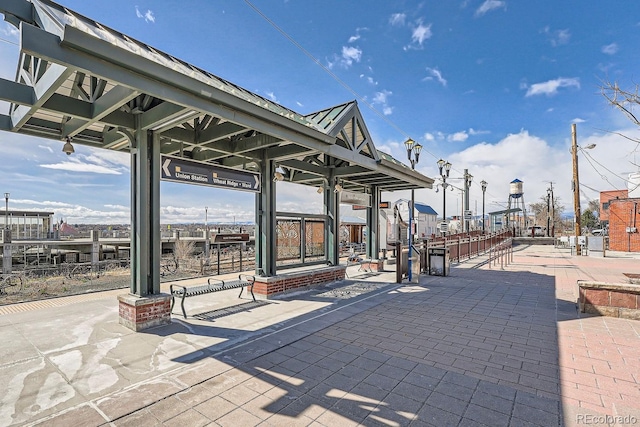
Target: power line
{"x":9,"y":42}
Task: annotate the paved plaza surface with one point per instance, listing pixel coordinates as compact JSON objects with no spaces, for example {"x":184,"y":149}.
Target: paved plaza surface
{"x":491,"y":344}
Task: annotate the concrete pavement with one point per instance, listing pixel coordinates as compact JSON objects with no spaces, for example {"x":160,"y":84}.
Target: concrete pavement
{"x":480,"y":347}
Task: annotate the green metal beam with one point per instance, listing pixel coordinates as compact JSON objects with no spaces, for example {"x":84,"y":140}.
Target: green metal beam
{"x":21,"y":10}
{"x":216,"y":132}
{"x":16,"y":93}
{"x":101,"y":108}
{"x":166,"y":115}
{"x":43,"y":89}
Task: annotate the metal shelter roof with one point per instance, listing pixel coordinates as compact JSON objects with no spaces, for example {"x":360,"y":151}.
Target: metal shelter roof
{"x":505,"y":211}
{"x":77,"y":78}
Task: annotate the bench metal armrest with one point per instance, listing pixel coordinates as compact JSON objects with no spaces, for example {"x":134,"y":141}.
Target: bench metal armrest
{"x":247,"y":278}
{"x":221,"y":282}
{"x":175,"y":293}
{"x":250,"y":281}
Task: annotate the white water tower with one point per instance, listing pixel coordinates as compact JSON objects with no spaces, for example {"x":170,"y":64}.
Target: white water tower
{"x":516,"y":194}
{"x":633,"y":185}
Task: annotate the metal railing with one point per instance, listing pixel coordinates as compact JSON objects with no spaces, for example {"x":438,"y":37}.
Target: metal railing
{"x":461,"y":247}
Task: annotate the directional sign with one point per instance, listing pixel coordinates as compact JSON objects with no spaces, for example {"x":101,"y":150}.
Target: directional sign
{"x":187,"y":171}
{"x":468,"y":214}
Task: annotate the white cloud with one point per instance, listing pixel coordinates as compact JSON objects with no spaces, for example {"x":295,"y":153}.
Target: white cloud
{"x":397,"y":19}
{"x":47,"y":148}
{"x":369,"y":79}
{"x":557,"y":37}
{"x":551,"y":87}
{"x":578,"y":120}
{"x":271,"y":96}
{"x":81,"y":167}
{"x":357,"y":35}
{"x":490,"y":5}
{"x":148,"y":15}
{"x":421,"y":33}
{"x":429,"y":137}
{"x":610,"y":49}
{"x":10,"y":32}
{"x":349,"y":55}
{"x":381,"y":98}
{"x":473,"y":131}
{"x":434,"y":73}
{"x":458,"y":136}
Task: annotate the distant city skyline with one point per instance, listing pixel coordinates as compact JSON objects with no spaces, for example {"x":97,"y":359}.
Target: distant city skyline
{"x":491,"y":86}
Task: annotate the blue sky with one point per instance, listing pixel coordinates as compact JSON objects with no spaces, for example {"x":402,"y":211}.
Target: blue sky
{"x":491,"y":86}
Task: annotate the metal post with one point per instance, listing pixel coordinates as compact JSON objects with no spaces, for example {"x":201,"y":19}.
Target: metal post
{"x":548,"y":213}
{"x":206,"y":232}
{"x":553,"y":217}
{"x":409,"y":274}
{"x":483,"y":184}
{"x":444,"y":168}
{"x":6,"y":210}
{"x":467,"y":183}
{"x":413,"y":154}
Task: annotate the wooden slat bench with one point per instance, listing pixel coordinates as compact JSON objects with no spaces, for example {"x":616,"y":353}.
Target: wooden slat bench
{"x":213,"y":285}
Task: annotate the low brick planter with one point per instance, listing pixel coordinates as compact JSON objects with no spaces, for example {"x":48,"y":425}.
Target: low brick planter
{"x":268,"y":287}
{"x":610,"y":299}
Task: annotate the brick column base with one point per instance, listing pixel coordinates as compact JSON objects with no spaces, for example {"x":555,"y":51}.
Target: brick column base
{"x":139,"y":313}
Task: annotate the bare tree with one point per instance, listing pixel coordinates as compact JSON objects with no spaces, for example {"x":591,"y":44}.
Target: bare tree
{"x":623,"y":100}
{"x":541,"y":210}
{"x":182,"y":250}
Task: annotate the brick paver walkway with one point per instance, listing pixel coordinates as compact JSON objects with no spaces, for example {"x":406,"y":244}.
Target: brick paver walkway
{"x":483,"y":347}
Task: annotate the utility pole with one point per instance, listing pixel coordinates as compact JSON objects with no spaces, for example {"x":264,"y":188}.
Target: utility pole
{"x":550,"y":211}
{"x":576,"y":187}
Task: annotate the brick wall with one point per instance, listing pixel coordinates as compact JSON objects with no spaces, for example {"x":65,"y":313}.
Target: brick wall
{"x":605,"y":199}
{"x":266,"y":287}
{"x":624,"y":213}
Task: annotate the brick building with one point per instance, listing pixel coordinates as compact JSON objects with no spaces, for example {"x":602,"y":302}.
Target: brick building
{"x":624,"y":221}
{"x":605,"y":200}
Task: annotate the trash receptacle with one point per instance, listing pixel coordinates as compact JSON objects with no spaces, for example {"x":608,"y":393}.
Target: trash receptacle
{"x":439,"y":261}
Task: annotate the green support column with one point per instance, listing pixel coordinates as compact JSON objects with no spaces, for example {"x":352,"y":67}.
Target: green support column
{"x":332,"y":227}
{"x":145,"y":213}
{"x":266,"y":251}
{"x":373,"y":220}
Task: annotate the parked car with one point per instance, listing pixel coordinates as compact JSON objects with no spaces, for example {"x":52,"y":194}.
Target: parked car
{"x":535,"y":231}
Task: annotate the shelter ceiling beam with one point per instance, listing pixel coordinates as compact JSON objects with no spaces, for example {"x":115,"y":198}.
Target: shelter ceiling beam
{"x":101,"y":107}
{"x":166,"y":116}
{"x":305,"y":167}
{"x":215,"y":132}
{"x":17,"y":93}
{"x":245,"y":145}
{"x":44,"y":88}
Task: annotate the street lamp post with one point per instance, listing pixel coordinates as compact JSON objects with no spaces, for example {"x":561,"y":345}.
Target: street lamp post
{"x":467,"y":183}
{"x":483,"y":184}
{"x":6,"y":211}
{"x":444,"y":168}
{"x":413,"y":154}
{"x":206,"y":232}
